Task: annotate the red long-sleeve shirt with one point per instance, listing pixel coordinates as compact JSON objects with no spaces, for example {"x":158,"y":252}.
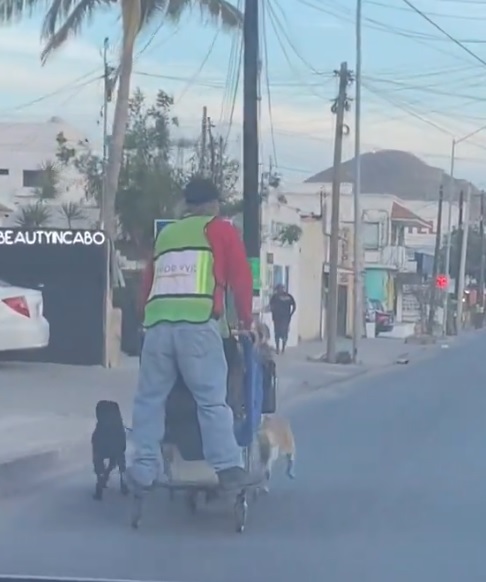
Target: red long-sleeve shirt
{"x":231,"y":269}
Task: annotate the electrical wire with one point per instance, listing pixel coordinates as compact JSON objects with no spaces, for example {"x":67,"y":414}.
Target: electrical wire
{"x":228,"y":89}
{"x":277,"y":30}
{"x":199,"y":70}
{"x":398,"y":86}
{"x":153,"y":36}
{"x":286,"y":36}
{"x":76,"y":83}
{"x":266,"y":67}
{"x":444,"y":32}
{"x":432,"y":14}
{"x":233,"y":76}
{"x":409,"y":110}
{"x":372,"y":24}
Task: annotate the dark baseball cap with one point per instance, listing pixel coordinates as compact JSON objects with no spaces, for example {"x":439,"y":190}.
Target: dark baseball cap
{"x":200,"y":190}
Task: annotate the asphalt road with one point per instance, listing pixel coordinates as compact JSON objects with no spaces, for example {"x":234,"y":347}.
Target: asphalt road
{"x":391,"y":487}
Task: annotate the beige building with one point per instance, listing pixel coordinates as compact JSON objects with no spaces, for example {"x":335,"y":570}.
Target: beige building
{"x":314,"y":277}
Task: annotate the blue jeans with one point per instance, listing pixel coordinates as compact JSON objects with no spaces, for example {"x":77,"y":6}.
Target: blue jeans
{"x":196,"y":351}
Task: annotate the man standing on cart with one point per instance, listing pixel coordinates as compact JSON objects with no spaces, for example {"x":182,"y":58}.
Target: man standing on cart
{"x":195,"y":259}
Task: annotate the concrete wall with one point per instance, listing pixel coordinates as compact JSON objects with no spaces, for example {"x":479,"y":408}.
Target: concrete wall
{"x":312,"y":258}
{"x":280,"y":263}
{"x":27,"y":146}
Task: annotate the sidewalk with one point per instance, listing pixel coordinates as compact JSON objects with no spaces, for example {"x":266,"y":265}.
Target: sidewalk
{"x":48,"y":408}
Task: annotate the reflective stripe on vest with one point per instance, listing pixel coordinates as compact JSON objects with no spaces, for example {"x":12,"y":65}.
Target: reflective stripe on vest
{"x":183,"y":284}
{"x":183,"y":273}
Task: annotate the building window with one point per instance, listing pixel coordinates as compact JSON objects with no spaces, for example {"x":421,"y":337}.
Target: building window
{"x":4,"y":172}
{"x":371,"y":236}
{"x":32,"y":178}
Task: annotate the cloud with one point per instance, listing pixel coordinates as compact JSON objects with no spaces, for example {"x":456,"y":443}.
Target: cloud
{"x":303,"y":124}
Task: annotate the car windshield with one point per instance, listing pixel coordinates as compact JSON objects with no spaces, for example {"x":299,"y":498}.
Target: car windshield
{"x":152,"y":429}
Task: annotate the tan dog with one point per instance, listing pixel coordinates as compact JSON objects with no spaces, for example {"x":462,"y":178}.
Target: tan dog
{"x":275,"y":440}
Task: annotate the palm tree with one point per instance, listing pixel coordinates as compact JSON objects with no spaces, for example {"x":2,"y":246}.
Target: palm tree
{"x":49,"y":187}
{"x":33,"y":216}
{"x":72,"y":211}
{"x":67,"y":17}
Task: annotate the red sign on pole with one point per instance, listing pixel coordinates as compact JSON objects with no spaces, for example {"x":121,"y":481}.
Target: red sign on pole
{"x":442,"y":281}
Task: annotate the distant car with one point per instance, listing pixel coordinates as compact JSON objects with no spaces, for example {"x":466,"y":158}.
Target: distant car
{"x":22,"y":322}
{"x":384,"y":319}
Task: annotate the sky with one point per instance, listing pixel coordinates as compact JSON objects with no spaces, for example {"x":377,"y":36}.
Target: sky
{"x":420,"y":89}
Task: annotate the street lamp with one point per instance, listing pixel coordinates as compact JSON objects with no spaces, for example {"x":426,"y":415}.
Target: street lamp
{"x":455,"y":142}
{"x":357,"y":286}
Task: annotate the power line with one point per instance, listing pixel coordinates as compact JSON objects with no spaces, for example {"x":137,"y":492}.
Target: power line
{"x":346,"y":16}
{"x":411,"y":112}
{"x":432,"y":14}
{"x":199,"y":70}
{"x":277,"y":30}
{"x":445,"y":33}
{"x":267,"y":82}
{"x":76,"y":83}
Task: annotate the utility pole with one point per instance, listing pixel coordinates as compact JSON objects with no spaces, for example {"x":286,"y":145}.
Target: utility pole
{"x":449,"y":236}
{"x":460,"y":236}
{"x":340,"y":106}
{"x":483,"y":256}
{"x":221,"y":163}
{"x":204,"y":144}
{"x":357,"y":283}
{"x":435,"y":267}
{"x":212,"y":152}
{"x":251,"y":179}
{"x":462,"y":264}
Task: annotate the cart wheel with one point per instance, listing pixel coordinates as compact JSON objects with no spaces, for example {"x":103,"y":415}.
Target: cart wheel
{"x":241,"y":511}
{"x":191,"y":501}
{"x":136,"y":512}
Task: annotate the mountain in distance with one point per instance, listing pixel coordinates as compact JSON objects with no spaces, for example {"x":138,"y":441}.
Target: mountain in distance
{"x":399,"y":173}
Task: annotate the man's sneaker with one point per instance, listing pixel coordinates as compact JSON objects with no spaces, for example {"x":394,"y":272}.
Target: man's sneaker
{"x":236,"y":478}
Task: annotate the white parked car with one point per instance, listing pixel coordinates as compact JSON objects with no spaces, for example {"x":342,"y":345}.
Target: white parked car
{"x":22,"y":322}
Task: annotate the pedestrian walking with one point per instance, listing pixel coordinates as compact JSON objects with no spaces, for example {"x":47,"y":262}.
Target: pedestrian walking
{"x":282,"y":307}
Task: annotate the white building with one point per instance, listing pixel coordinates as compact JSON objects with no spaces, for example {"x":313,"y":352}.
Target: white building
{"x":310,"y":204}
{"x":24,"y":149}
{"x":389,"y":240}
{"x":280,"y":263}
{"x":423,"y":238}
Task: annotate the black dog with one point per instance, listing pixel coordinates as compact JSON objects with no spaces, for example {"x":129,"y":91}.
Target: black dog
{"x":109,"y":443}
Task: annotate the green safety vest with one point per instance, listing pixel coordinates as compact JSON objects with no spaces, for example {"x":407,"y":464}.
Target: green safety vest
{"x":183,"y":284}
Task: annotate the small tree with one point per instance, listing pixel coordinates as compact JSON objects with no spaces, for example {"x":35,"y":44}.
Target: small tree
{"x":86,"y":163}
{"x":223,"y":170}
{"x":289,"y":234}
{"x":72,"y":211}
{"x":33,"y":216}
{"x":49,"y":188}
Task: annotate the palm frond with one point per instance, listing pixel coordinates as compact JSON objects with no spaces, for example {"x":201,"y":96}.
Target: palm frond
{"x":73,"y":14}
{"x":219,"y":11}
{"x":12,"y":11}
{"x":33,"y":216}
{"x":223,"y":12}
{"x":149,"y":10}
{"x":72,"y":211}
